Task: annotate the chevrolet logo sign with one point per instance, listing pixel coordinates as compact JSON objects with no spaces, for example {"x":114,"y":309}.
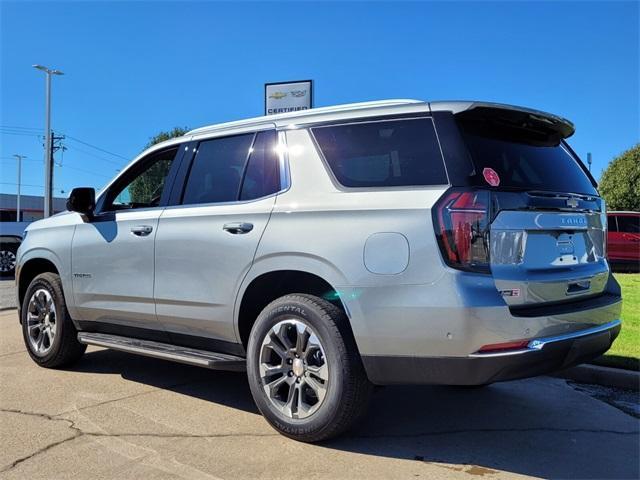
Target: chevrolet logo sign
{"x":277,"y":95}
{"x":572,"y":202}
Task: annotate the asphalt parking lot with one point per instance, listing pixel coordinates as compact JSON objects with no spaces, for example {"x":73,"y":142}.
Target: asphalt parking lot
{"x":115,"y":415}
{"x":7,"y":289}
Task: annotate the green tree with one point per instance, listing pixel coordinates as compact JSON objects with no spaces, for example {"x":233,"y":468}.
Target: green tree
{"x":620,"y":182}
{"x":149,"y":185}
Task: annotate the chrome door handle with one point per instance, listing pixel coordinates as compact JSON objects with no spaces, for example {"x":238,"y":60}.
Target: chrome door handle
{"x":141,"y":230}
{"x":238,"y":227}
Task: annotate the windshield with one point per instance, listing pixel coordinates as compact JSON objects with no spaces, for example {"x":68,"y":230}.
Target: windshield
{"x":526,"y":166}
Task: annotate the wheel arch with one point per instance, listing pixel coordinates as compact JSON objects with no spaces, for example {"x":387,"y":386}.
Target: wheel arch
{"x":29,"y":270}
{"x":266,"y":287}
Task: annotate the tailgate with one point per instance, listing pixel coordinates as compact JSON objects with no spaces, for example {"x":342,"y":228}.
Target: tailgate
{"x":545,"y":256}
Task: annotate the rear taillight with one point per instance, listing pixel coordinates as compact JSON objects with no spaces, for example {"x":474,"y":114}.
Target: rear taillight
{"x":461,"y":219}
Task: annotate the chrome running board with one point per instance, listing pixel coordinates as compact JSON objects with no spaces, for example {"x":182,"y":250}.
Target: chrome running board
{"x":165,"y":351}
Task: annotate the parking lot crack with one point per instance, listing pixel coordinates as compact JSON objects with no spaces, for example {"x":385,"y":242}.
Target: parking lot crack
{"x":76,"y":434}
{"x":182,"y":435}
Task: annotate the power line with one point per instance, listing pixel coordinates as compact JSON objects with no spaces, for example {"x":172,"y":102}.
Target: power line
{"x":22,"y":184}
{"x":15,"y":130}
{"x":97,"y":148}
{"x":119,"y":164}
{"x":86,"y":171}
{"x":23,"y":134}
{"x":14,"y":127}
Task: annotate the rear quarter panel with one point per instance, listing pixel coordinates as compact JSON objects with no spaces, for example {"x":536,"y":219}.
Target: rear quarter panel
{"x":319,"y":228}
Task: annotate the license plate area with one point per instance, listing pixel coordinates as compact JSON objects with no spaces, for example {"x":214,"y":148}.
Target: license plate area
{"x":540,"y":257}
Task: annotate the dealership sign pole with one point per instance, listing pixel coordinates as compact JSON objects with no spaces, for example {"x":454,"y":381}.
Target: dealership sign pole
{"x":283,"y":97}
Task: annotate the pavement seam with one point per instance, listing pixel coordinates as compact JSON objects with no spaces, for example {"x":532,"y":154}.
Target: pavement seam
{"x":12,"y":353}
{"x":133,"y":395}
{"x":78,"y":432}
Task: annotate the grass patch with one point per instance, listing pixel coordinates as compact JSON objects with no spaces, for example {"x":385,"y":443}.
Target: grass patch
{"x":625,"y":352}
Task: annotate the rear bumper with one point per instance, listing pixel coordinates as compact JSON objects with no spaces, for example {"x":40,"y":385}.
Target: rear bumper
{"x":542,"y":355}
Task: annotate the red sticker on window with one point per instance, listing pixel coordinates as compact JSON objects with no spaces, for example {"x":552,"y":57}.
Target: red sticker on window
{"x":491,"y":177}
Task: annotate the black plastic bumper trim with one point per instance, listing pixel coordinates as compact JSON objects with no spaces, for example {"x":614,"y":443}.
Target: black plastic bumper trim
{"x":390,"y":370}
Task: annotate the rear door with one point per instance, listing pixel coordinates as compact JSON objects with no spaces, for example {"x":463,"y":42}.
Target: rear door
{"x":629,"y":236}
{"x":547,"y":230}
{"x":206,"y":243}
{"x":614,"y":239}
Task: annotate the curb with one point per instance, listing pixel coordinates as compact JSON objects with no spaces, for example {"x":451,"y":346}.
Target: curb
{"x":4,"y":309}
{"x":605,"y":376}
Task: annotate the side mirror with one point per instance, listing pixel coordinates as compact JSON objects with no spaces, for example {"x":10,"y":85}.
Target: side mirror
{"x":82,"y":200}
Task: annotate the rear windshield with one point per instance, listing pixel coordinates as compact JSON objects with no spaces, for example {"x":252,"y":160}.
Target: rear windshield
{"x":526,"y":166}
{"x":389,"y":153}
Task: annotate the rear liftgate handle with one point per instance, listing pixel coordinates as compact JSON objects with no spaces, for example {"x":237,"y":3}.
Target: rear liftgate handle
{"x":238,"y":227}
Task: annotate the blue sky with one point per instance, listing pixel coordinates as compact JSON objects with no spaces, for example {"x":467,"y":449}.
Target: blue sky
{"x":135,"y":68}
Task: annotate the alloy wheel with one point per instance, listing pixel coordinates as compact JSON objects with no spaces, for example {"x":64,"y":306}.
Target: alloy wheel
{"x":293,"y":369}
{"x":7,"y":261}
{"x":41,"y":321}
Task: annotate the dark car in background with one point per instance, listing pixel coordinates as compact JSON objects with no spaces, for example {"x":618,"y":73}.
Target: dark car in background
{"x":623,"y":240}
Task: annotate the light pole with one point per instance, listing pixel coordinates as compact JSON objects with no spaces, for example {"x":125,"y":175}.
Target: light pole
{"x":48,"y":157}
{"x":19,"y":158}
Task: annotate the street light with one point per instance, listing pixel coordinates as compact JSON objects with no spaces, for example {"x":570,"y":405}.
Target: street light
{"x":48,"y":160}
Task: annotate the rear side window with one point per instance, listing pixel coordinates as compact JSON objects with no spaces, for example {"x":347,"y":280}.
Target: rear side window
{"x":521,"y":164}
{"x":629,"y":223}
{"x":390,"y":153}
{"x":262,"y":177}
{"x":612,"y":225}
{"x":217,"y":170}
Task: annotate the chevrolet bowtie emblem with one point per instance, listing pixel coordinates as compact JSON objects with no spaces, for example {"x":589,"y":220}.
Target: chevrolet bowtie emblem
{"x":572,"y":202}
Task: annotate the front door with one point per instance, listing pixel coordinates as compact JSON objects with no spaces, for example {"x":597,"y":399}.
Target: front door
{"x":112,"y":253}
{"x":205,"y":245}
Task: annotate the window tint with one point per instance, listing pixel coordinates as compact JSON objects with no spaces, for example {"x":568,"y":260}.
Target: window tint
{"x":612,"y":226}
{"x":524,"y":164}
{"x":629,"y":223}
{"x":383,"y":154}
{"x":145,"y":189}
{"x":217,"y":170}
{"x":262,"y":177}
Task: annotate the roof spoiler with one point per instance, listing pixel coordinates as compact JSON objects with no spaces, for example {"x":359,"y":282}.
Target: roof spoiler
{"x":532,"y":126}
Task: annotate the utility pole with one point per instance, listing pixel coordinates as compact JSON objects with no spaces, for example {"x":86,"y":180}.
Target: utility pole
{"x":589,"y":160}
{"x":48,"y":153}
{"x":19,"y":158}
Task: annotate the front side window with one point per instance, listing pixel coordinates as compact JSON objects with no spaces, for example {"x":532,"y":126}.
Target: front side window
{"x":145,"y":189}
{"x":612,"y":225}
{"x":390,"y":153}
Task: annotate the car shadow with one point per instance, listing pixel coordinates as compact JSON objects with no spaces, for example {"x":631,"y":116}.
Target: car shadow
{"x":533,"y":427}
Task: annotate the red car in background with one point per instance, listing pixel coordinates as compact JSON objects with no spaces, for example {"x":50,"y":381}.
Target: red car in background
{"x":623,"y":239}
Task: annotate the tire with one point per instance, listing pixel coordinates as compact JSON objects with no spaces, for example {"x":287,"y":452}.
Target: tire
{"x":333,"y":391}
{"x":8,"y":259}
{"x":44,"y":309}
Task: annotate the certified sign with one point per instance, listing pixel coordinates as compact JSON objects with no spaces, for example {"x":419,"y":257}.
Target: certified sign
{"x":288,"y":97}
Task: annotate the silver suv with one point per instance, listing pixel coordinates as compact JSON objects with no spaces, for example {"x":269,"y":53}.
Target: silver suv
{"x":333,"y":249}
